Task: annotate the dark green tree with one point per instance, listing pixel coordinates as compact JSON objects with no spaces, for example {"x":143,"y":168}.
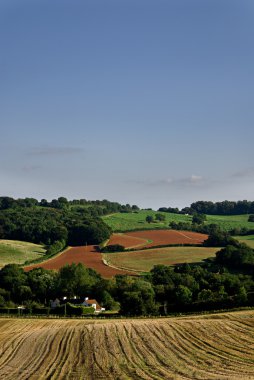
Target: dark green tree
{"x":149,"y":219}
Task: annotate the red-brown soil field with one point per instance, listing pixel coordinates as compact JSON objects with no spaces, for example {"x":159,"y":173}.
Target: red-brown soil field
{"x":157,"y":237}
{"x":87,"y":255}
{"x":92,"y":259}
{"x":127,"y":240}
{"x":213,"y":347}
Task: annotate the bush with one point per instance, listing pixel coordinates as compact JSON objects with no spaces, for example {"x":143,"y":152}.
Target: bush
{"x":41,"y":310}
{"x":56,"y":247}
{"x":113,"y":248}
{"x":78,"y":310}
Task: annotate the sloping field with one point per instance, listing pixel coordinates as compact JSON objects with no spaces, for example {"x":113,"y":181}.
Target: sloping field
{"x":248,"y":239}
{"x":17,"y":252}
{"x":120,"y":222}
{"x":218,"y":347}
{"x":144,"y":260}
{"x":92,"y":259}
{"x":128,"y":240}
{"x":86,"y":255}
{"x":154,"y":238}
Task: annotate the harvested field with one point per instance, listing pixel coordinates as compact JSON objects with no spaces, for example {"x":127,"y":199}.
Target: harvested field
{"x":144,"y":260}
{"x":86,"y":255}
{"x":154,"y":238}
{"x":215,"y":347}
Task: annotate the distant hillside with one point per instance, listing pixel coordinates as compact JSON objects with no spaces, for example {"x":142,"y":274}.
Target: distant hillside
{"x":120,"y":222}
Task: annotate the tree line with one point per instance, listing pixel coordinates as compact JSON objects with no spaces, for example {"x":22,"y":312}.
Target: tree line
{"x":214,"y":208}
{"x":97,"y":207}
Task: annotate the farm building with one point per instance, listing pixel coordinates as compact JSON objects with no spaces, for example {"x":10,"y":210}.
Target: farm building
{"x":78,"y":302}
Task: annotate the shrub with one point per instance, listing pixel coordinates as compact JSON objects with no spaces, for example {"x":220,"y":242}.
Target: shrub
{"x":113,"y":248}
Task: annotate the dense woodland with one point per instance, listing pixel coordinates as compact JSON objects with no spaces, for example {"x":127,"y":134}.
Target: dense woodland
{"x":75,"y":222}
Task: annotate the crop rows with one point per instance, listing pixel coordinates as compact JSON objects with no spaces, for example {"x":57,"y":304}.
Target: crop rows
{"x":211,"y":347}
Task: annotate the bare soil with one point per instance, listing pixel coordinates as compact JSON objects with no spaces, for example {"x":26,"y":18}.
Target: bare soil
{"x":86,"y":255}
{"x":157,"y":237}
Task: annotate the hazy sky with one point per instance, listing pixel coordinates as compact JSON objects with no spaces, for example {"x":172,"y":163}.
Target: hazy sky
{"x":147,"y":102}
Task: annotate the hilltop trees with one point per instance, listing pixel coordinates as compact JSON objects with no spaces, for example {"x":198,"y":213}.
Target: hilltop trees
{"x":42,"y":225}
{"x":149,"y":219}
{"x":198,"y":218}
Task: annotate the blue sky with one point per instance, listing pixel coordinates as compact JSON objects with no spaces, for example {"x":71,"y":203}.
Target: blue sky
{"x":147,"y":102}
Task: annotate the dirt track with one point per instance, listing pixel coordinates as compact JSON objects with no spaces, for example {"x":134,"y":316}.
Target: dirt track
{"x":215,"y":347}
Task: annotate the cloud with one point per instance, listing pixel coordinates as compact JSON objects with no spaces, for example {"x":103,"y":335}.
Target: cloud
{"x":54,"y":151}
{"x":246,"y":173}
{"x":193,"y":180}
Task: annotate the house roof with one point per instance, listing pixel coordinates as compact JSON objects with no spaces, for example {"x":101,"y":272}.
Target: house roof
{"x":90,"y":302}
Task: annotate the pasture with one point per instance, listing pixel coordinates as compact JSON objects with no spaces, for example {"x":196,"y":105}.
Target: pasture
{"x":121,"y":222}
{"x":194,"y":347}
{"x":144,"y":260}
{"x":248,"y":239}
{"x":18,"y":252}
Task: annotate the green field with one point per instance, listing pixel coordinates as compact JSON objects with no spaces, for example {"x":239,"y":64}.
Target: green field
{"x":249,"y":240}
{"x":121,"y":222}
{"x":18,"y":252}
{"x":144,"y":260}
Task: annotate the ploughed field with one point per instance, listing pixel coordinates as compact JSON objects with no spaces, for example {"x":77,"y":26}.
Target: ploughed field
{"x":86,"y":255}
{"x":216,"y":347}
{"x":156,"y":237}
{"x":90,"y":257}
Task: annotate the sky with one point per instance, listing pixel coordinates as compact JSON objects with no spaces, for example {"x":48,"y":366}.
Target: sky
{"x":147,"y":102}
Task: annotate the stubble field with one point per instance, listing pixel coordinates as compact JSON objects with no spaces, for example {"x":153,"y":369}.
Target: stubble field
{"x":144,"y":260}
{"x":218,"y":347}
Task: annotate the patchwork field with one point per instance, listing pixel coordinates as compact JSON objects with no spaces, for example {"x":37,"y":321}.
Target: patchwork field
{"x":215,"y":347}
{"x":18,"y":252}
{"x":144,"y":260}
{"x":105,"y":264}
{"x":86,"y":255}
{"x":120,"y":222}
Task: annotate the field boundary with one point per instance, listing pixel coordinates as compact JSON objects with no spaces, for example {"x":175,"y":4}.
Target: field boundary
{"x":105,"y":262}
{"x":46,"y":260}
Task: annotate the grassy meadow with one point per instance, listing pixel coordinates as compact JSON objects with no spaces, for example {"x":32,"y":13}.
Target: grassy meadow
{"x":249,"y":240}
{"x":18,"y":252}
{"x":120,"y":222}
{"x":144,"y":260}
